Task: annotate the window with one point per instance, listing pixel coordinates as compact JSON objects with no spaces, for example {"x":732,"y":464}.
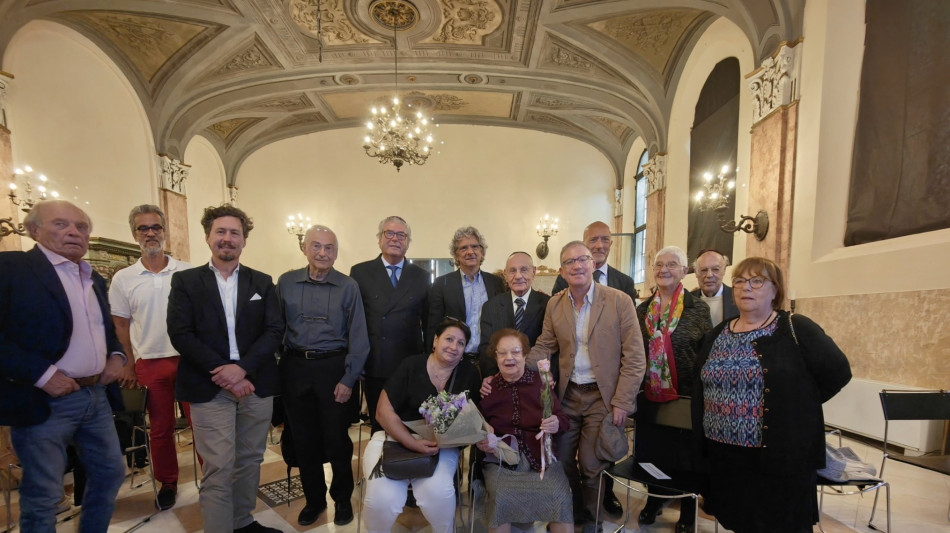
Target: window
{"x":434,"y":266}
{"x":640,"y":223}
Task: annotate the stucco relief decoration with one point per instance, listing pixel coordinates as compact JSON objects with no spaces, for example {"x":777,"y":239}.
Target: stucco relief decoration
{"x":566,"y":58}
{"x":225,"y":128}
{"x":468,"y":21}
{"x":5,"y":80}
{"x":544,"y":118}
{"x":775,"y":84}
{"x":653,"y":35}
{"x":307,"y":118}
{"x":433,"y":102}
{"x":250,"y":58}
{"x":232,"y":194}
{"x":619,"y":130}
{"x":655,"y":173}
{"x":173,"y":173}
{"x":334,"y":26}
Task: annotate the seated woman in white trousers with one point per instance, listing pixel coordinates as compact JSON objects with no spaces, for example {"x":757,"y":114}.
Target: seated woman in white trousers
{"x":417,"y":378}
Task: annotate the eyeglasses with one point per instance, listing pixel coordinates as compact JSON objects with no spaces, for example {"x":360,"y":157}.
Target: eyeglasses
{"x":515,"y":352}
{"x":670,"y":266}
{"x":755,"y":283}
{"x":157,"y":228}
{"x":399,"y":235}
{"x":570,"y":262}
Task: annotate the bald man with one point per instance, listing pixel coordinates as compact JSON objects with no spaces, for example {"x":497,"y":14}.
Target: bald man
{"x":597,"y":237}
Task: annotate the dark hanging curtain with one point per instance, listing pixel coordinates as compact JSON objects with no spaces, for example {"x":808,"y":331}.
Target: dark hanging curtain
{"x":712,"y":144}
{"x":900,"y":177}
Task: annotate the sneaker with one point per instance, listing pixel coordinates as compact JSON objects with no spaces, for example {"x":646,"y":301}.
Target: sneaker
{"x":310,"y":513}
{"x":166,"y":496}
{"x":256,"y":527}
{"x":343,"y":514}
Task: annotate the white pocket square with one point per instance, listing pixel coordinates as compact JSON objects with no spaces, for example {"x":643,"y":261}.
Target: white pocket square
{"x":255,"y":297}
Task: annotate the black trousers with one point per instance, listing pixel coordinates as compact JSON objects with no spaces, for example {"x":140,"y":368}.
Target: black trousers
{"x":319,"y":425}
{"x":374,"y":389}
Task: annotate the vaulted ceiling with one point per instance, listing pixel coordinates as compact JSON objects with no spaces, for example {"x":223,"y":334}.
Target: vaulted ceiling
{"x":246,"y":73}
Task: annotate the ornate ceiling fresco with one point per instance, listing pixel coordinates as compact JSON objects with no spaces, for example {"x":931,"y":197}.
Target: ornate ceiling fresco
{"x":246,"y":73}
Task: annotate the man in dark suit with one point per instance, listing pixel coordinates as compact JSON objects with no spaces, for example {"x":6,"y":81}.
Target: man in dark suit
{"x":395,"y":296}
{"x":520,"y":307}
{"x":598,"y":240}
{"x":461,"y":294}
{"x":710,"y":268}
{"x":224,"y":319}
{"x":58,"y":350}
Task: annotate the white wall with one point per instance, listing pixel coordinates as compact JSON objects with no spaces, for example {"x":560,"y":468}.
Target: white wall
{"x":206,"y":186}
{"x":499,"y":180}
{"x":74,"y":117}
{"x":820,"y":264}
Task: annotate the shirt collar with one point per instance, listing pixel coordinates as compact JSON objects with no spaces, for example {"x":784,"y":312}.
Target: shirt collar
{"x":170,"y":267}
{"x":525,"y":297}
{"x":478,"y":276}
{"x":386,"y":264}
{"x":303,"y":276}
{"x":84,"y":268}
{"x":721,"y":288}
{"x":216,"y":271}
{"x":589,"y":297}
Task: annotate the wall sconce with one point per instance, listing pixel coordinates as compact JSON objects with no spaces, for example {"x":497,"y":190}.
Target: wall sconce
{"x":298,"y":226}
{"x":715,"y":195}
{"x":7,"y":226}
{"x":547,"y":228}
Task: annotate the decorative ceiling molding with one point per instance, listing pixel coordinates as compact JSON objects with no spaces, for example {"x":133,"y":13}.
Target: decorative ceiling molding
{"x":254,"y":56}
{"x":561,"y":56}
{"x":346,"y":105}
{"x":305,"y":118}
{"x":653,"y":35}
{"x":334,"y":25}
{"x":621,"y":131}
{"x":467,"y":21}
{"x":229,"y":130}
{"x":286,"y":104}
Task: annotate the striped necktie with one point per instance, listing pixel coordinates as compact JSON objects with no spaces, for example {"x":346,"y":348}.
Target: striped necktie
{"x":519,"y":313}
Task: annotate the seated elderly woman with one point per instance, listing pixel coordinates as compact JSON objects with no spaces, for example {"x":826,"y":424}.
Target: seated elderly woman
{"x":514,"y":410}
{"x":417,"y":378}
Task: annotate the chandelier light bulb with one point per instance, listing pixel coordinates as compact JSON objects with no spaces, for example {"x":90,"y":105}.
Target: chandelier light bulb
{"x":425,"y":149}
{"x":382,"y":110}
{"x":374,"y":110}
{"x":707,"y":176}
{"x":418,"y":131}
{"x":429,"y":139}
{"x":366,"y":139}
{"x":28,"y":168}
{"x":54,"y":194}
{"x":731,"y":184}
{"x":395,"y":100}
{"x":13,"y":186}
{"x":714,"y":195}
{"x":725,"y":169}
{"x":699,"y":196}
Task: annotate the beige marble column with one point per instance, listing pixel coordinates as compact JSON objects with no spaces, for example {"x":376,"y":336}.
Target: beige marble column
{"x":175,"y":204}
{"x":7,"y":209}
{"x":774,"y":86}
{"x":655,"y":173}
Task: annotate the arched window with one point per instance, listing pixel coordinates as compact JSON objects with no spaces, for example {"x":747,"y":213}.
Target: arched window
{"x":640,"y":222}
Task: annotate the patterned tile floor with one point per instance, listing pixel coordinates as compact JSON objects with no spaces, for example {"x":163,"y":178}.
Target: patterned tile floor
{"x":919,"y":502}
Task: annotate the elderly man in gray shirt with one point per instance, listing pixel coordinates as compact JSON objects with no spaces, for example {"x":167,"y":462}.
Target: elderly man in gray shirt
{"x":325,"y":348}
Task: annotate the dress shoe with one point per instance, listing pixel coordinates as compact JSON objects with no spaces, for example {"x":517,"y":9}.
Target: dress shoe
{"x":166,"y":496}
{"x":343,"y":514}
{"x":687,"y":521}
{"x":256,"y":527}
{"x":651,"y":510}
{"x":310,"y":513}
{"x":612,"y":504}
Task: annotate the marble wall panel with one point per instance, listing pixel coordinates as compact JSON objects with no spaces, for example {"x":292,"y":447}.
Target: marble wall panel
{"x":7,"y":209}
{"x":175,"y":206}
{"x":656,"y":215}
{"x":896,"y":337}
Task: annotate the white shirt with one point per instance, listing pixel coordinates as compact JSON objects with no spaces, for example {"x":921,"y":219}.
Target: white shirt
{"x":715,"y":305}
{"x":583,"y":371}
{"x":227,"y":288}
{"x":141,"y":296}
{"x":514,"y":306}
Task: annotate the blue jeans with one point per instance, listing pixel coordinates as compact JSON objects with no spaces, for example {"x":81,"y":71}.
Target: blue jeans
{"x":84,"y":419}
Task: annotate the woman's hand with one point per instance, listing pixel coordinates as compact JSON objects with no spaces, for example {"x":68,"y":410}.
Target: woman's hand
{"x":550,"y":425}
{"x":484,"y":446}
{"x":485,"y":390}
{"x":423,"y":446}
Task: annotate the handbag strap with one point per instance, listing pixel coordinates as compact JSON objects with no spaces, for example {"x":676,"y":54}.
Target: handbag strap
{"x":451,"y":384}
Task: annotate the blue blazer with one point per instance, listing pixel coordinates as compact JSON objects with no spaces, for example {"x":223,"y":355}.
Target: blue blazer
{"x":35,"y":326}
{"x":198,"y":329}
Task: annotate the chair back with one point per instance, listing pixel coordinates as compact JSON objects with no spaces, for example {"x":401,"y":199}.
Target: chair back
{"x":915,"y":405}
{"x":674,"y":414}
{"x":135,"y":399}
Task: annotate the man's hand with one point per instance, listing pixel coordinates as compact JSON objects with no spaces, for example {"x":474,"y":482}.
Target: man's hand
{"x":60,"y":385}
{"x":241,"y":388}
{"x":620,"y":417}
{"x":226,"y":376}
{"x":128,"y":379}
{"x":550,"y":425}
{"x":341,"y":393}
{"x":113,"y":370}
{"x":486,"y":387}
{"x":423,"y":446}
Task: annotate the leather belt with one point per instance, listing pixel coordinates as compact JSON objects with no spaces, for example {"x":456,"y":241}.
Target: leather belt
{"x":88,"y":381}
{"x":315,"y":354}
{"x":586,"y":387}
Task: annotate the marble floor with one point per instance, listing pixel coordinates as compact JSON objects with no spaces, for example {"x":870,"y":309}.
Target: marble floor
{"x":919,"y":501}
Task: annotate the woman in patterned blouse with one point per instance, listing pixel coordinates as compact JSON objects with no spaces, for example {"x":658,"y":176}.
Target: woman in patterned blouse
{"x":757,"y":410}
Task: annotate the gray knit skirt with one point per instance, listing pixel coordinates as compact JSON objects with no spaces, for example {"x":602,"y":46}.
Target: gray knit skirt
{"x":521,"y":496}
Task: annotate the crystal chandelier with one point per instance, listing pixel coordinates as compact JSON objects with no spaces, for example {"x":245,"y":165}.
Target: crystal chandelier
{"x":715,"y":196}
{"x":395,"y":135}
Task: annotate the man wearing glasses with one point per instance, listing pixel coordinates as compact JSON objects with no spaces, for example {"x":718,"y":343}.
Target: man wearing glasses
{"x":395,"y":296}
{"x":598,"y":240}
{"x":601,"y":365}
{"x":138,"y":296}
{"x":325,"y":348}
{"x":710,"y":268}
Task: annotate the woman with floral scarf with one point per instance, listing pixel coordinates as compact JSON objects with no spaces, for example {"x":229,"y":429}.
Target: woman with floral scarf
{"x":673,"y":323}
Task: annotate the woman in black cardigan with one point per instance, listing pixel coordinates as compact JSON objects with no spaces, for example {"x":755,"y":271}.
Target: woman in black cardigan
{"x":673,"y":323}
{"x":756,"y":411}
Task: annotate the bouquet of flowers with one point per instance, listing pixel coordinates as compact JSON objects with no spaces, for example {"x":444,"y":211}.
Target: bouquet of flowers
{"x":547,"y":409}
{"x":450,"y":420}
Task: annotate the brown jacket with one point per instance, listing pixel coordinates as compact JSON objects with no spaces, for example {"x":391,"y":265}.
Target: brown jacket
{"x":614,"y":342}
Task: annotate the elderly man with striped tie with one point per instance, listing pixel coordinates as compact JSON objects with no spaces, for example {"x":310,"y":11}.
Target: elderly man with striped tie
{"x":520,"y":307}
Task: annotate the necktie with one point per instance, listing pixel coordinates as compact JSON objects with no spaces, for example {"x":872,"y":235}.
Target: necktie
{"x":392,"y":274}
{"x":597,"y":275}
{"x":519,"y":313}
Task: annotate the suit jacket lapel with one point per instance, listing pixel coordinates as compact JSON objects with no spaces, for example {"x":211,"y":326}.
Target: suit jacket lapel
{"x":596,"y":309}
{"x":47,"y":274}
{"x":243,"y":293}
{"x":456,"y":288}
{"x":532,"y":310}
{"x":213,"y":295}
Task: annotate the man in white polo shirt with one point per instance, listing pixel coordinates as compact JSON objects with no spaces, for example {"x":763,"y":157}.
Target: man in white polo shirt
{"x":139,"y":300}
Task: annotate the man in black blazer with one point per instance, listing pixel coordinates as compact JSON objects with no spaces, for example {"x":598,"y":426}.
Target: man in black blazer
{"x":461,"y":294}
{"x":58,"y":350}
{"x":710,"y":268}
{"x":597,"y":238}
{"x":502,"y":310}
{"x":225,"y":320}
{"x":395,"y":297}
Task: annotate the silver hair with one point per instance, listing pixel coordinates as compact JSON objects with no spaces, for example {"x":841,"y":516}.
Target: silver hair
{"x":725,"y":259}
{"x":461,"y":233}
{"x":675,"y":250}
{"x":394,"y":218}
{"x":572,"y":244}
{"x":32,"y":219}
{"x":145,"y":209}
